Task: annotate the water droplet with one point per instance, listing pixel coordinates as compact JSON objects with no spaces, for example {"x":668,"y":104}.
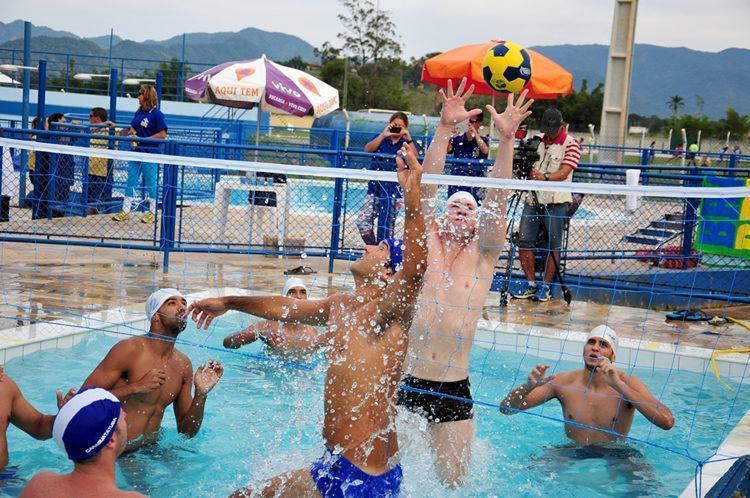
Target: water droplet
{"x":360,"y":299}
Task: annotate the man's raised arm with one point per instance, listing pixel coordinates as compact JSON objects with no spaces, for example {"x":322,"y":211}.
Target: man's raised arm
{"x":279,"y":308}
{"x":492,"y":229}
{"x":453,"y":112}
{"x":397,"y":301}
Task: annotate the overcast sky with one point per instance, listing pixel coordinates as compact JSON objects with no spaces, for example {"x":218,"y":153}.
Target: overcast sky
{"x":423,"y":25}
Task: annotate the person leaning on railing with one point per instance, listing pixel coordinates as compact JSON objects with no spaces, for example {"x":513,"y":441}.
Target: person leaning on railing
{"x":148,"y":122}
{"x":559,"y":157}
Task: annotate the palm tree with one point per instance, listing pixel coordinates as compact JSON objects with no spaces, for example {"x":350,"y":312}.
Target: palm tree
{"x":674,"y":103}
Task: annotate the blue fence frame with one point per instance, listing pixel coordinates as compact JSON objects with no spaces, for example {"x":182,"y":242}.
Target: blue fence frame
{"x":175,"y":191}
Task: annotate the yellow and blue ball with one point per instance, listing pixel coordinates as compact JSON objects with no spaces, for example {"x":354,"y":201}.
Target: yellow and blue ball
{"x":507,"y":67}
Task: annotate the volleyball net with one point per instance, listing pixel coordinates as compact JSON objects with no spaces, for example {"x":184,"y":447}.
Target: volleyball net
{"x":676,"y":242}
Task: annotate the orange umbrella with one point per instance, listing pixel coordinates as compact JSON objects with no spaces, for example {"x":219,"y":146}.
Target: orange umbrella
{"x":548,"y":79}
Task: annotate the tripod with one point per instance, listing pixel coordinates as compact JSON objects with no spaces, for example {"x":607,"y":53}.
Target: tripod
{"x":512,"y":209}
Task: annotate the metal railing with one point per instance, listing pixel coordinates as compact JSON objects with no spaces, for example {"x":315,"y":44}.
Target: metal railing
{"x":210,"y":209}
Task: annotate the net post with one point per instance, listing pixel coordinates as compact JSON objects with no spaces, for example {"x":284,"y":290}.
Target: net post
{"x":168,"y":206}
{"x":338,"y":194}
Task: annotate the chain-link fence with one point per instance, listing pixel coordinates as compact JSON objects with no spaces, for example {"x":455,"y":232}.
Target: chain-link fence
{"x":217,"y":199}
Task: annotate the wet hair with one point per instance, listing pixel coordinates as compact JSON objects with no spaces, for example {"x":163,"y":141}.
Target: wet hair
{"x":400,"y":115}
{"x":99,"y":112}
{"x":55,"y":117}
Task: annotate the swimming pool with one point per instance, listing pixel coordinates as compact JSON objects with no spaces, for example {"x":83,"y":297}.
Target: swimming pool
{"x":263,"y":419}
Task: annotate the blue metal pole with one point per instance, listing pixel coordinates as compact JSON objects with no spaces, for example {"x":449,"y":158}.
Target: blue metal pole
{"x":338,"y":197}
{"x":181,"y":76}
{"x":168,"y":207}
{"x":113,"y":95}
{"x":25,"y":105}
{"x":691,"y":208}
{"x":41,"y":94}
{"x":159,"y":84}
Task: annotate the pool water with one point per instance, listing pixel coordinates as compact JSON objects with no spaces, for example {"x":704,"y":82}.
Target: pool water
{"x":265,"y":418}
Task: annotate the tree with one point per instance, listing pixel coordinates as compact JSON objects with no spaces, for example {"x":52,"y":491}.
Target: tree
{"x":369,"y":33}
{"x":295,"y":62}
{"x":735,"y":124}
{"x":327,"y":53}
{"x":174,"y":74}
{"x":674,"y":103}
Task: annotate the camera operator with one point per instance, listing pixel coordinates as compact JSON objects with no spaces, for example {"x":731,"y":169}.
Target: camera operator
{"x":559,"y":154}
{"x":469,"y":145}
{"x":384,"y":199}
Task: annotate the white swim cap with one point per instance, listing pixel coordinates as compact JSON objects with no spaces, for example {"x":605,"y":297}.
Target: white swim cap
{"x":291,"y":283}
{"x":155,"y":300}
{"x":462,"y":195}
{"x":607,"y":333}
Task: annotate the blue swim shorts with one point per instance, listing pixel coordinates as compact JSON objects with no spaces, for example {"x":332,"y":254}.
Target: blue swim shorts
{"x":337,"y":477}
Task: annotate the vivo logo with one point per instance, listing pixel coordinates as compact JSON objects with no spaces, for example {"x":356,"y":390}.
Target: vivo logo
{"x":280,"y":87}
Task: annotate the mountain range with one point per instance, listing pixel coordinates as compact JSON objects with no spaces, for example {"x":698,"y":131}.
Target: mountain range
{"x":709,"y":82}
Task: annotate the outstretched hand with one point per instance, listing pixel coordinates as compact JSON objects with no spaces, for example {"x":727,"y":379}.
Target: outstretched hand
{"x":61,"y":400}
{"x":508,"y":121}
{"x":454,"y":103}
{"x":207,"y":376}
{"x":204,"y":311}
{"x":536,"y":376}
{"x":408,"y":169}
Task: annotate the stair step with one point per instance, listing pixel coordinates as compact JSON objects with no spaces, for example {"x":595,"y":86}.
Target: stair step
{"x":634,"y":239}
{"x":656,"y":233}
{"x":666,"y":225}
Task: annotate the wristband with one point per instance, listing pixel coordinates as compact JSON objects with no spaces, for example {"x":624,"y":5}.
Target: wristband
{"x":409,"y":141}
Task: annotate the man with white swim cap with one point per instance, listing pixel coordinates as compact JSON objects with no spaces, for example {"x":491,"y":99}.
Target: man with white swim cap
{"x":464,"y":245}
{"x":148,"y":373}
{"x":367,"y":337}
{"x":92,"y":431}
{"x":291,"y":341}
{"x":598,"y":395}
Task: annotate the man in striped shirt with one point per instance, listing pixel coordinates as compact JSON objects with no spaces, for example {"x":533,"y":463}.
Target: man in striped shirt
{"x":559,"y":155}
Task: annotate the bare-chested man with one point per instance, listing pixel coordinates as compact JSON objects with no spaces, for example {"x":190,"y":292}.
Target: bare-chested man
{"x":16,"y":410}
{"x":148,"y":373}
{"x":598,"y":395}
{"x":464,"y":245}
{"x":289,"y":341}
{"x":366,"y":345}
{"x":91,"y":430}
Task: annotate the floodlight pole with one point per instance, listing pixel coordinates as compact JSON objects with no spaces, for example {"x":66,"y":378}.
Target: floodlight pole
{"x":614,"y":121}
{"x":25,"y":105}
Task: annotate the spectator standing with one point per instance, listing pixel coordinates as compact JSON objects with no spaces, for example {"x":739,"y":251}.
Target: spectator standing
{"x":559,"y":157}
{"x":469,"y":145}
{"x":100,"y":168}
{"x":384,"y":199}
{"x":148,"y":122}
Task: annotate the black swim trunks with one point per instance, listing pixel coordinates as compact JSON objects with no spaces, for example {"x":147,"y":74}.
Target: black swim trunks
{"x":437,"y":407}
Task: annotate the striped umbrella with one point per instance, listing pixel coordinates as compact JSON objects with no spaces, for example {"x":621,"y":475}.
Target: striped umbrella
{"x":278,"y":89}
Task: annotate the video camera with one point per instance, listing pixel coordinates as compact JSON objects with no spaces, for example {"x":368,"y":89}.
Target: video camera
{"x":525,"y":154}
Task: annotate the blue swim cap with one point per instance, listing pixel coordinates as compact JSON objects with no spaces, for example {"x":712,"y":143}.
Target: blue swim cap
{"x":397,"y":253}
{"x":86,"y":423}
